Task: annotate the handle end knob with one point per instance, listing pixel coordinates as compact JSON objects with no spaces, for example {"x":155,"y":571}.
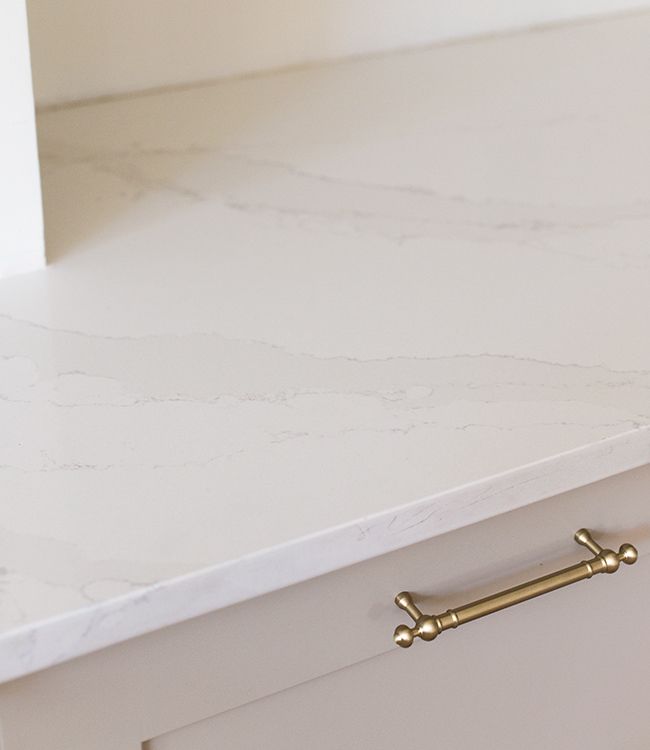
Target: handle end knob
{"x":403,"y":636}
{"x":628,"y":554}
{"x":427,"y":627}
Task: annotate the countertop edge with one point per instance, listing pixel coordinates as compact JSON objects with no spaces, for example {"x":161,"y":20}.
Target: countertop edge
{"x":58,"y":639}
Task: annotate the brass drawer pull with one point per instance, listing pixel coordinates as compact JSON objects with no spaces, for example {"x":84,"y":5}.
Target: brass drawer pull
{"x":427,"y":627}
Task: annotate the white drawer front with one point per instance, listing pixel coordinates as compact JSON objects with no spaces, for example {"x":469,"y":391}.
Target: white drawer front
{"x":564,"y":673}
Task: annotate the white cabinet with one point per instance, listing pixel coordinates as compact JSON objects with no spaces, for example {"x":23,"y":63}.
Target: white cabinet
{"x":314,"y":664}
{"x":562,"y":673}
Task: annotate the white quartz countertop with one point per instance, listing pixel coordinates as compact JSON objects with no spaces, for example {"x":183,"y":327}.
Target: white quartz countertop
{"x":295,"y":321}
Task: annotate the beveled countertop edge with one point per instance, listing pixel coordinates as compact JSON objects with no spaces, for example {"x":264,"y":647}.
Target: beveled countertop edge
{"x":58,"y":639}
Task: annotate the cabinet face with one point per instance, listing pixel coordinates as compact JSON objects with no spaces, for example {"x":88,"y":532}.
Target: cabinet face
{"x":568,"y":670}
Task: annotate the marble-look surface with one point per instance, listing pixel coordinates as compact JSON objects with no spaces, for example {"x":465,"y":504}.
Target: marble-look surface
{"x":293,"y":322}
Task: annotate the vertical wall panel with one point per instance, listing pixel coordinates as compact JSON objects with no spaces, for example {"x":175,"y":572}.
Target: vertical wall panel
{"x":21,"y":224}
{"x":83,"y":48}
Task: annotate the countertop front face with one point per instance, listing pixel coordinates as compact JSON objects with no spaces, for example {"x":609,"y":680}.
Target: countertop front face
{"x":294,"y":321}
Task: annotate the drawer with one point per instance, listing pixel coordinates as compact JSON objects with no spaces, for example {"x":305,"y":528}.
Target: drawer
{"x":569,"y":673}
{"x":315,"y":662}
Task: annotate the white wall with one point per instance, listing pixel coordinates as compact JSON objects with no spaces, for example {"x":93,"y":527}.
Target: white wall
{"x":21,"y":222}
{"x":84,"y":48}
